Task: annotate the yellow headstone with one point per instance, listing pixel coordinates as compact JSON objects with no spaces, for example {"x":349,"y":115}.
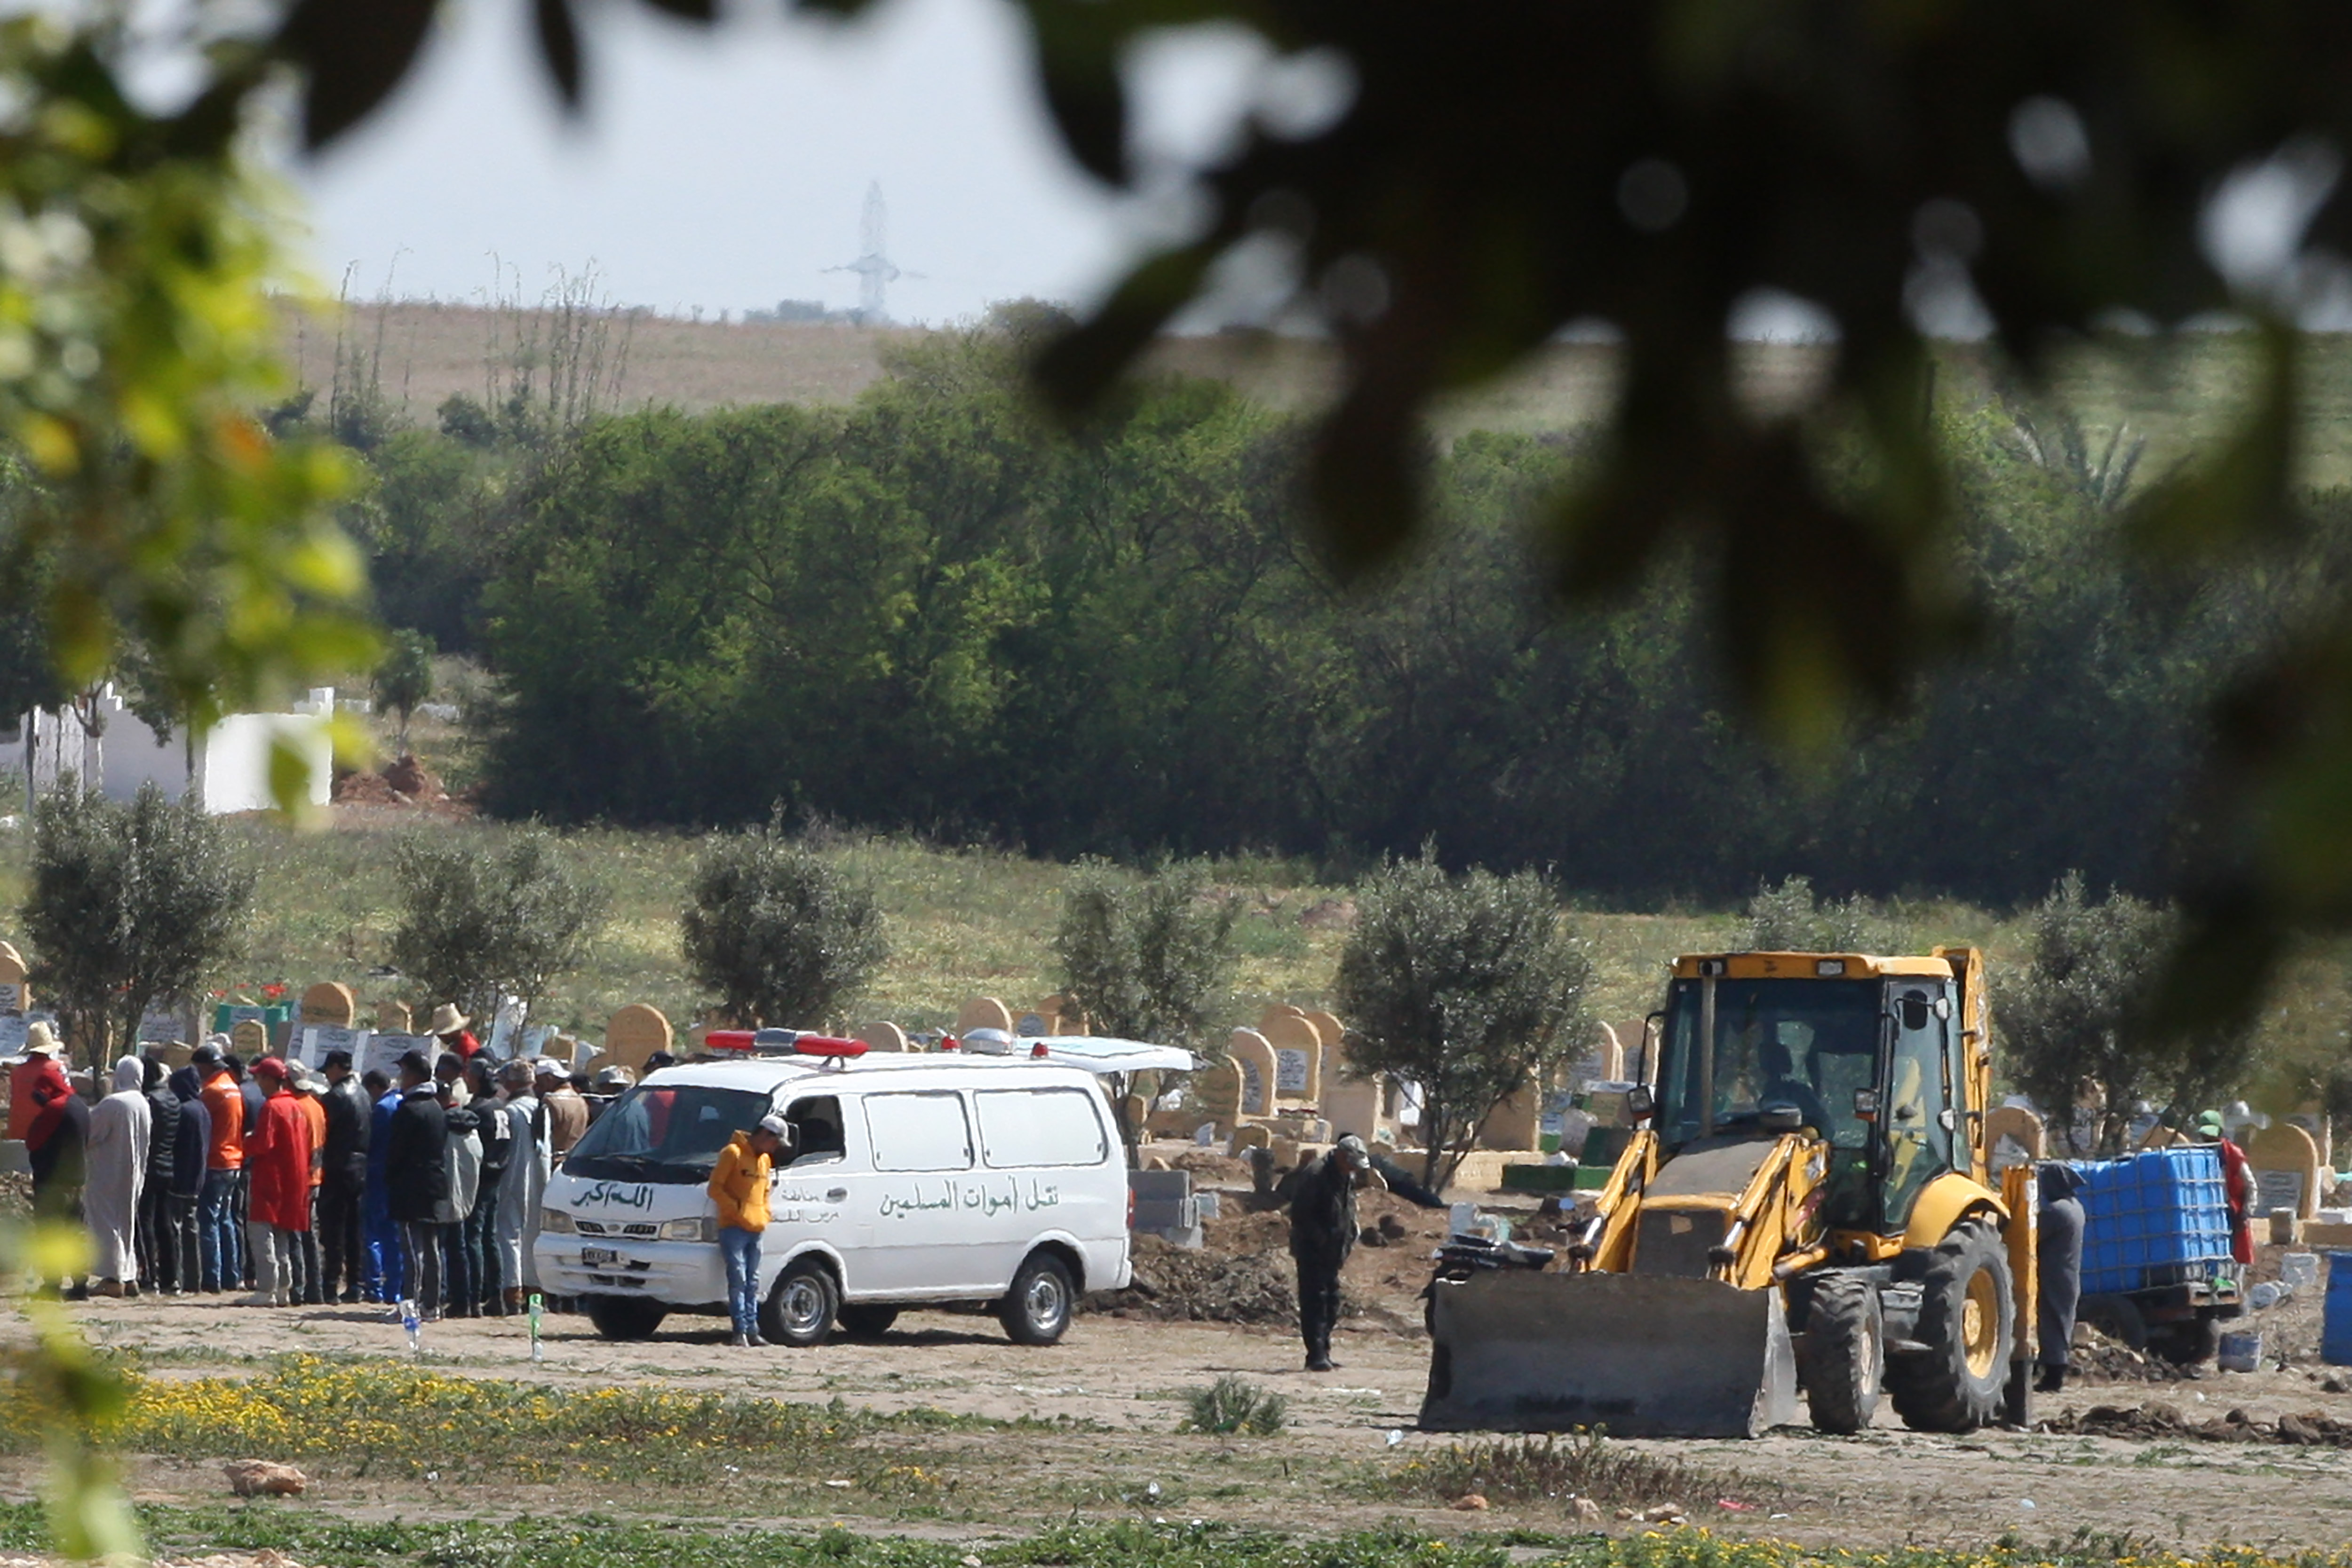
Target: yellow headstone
{"x":2285,"y":1160}
{"x":393,"y":1018}
{"x":15,"y":997}
{"x":1249,"y":1051}
{"x":983,"y":1013}
{"x":249,"y":1038}
{"x":883,"y":1036}
{"x":331,"y":1003}
{"x":636,"y":1032}
{"x":1298,"y":1056}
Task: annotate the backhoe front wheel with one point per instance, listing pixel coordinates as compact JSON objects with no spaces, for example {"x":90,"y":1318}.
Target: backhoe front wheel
{"x":1844,"y":1353}
{"x":1967,"y":1322}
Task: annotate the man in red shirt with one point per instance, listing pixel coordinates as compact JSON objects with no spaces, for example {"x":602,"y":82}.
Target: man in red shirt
{"x":452,"y":1028}
{"x":37,"y":1082}
{"x":2237,"y":1185}
{"x":278,"y":1157}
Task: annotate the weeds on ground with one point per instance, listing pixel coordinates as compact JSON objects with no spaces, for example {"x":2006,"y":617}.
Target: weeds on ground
{"x":364,"y":1419}
{"x":1235,"y":1405}
{"x":1583,"y":1464}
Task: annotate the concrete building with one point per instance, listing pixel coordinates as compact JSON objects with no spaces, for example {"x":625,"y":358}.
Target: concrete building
{"x":116,"y":751}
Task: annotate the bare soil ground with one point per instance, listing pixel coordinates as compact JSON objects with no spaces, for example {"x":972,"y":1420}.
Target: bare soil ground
{"x":2252,"y":1458}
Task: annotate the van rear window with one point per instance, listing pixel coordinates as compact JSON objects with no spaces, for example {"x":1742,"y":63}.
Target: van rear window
{"x":919,"y":1132}
{"x":1039,"y":1127}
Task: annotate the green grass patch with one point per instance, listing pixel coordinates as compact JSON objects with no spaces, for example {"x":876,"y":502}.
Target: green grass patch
{"x":1233,"y":1404}
{"x":1556,"y":1469}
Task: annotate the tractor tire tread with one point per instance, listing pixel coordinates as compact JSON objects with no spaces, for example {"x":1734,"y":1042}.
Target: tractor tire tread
{"x":1844,"y":1354}
{"x":1932,"y":1389}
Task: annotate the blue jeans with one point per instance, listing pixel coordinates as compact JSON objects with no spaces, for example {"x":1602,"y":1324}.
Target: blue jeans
{"x":220,"y":1249}
{"x":742,"y":1250}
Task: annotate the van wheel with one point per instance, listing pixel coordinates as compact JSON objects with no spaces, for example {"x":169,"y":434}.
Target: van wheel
{"x":625,"y":1317}
{"x":867,"y":1322}
{"x":1036,"y":1310}
{"x":800,"y":1310}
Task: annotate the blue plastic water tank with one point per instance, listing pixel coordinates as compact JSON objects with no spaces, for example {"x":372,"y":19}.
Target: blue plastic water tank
{"x":2160,"y":1217}
{"x":2336,"y":1321}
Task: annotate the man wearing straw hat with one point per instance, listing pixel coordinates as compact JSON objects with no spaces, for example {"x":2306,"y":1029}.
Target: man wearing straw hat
{"x":453,"y":1027}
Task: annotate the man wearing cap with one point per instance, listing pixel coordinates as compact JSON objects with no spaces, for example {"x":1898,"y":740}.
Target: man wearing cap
{"x":1322,"y":1234}
{"x":2237,"y":1185}
{"x":738,"y":1188}
{"x":191,"y":1138}
{"x":57,"y":1145}
{"x":277,"y":1197}
{"x":567,"y":1114}
{"x":342,"y":1176}
{"x":220,"y":1249}
{"x":416,"y":1179}
{"x":154,"y":1234}
{"x":454,"y":1030}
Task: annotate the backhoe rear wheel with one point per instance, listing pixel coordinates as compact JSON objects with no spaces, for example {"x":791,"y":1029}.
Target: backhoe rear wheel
{"x":1844,"y":1353}
{"x":1967,"y":1319}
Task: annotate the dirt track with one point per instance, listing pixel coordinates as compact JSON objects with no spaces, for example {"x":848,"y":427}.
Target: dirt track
{"x":1128,"y":1375}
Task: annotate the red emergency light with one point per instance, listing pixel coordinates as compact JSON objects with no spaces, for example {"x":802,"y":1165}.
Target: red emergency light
{"x":728,"y":1039}
{"x":828,"y":1045}
{"x":949,"y":1042}
{"x":1038,"y":1052}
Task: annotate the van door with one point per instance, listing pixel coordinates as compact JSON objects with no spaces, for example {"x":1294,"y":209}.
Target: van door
{"x":817,"y":1194}
{"x":926,"y":1201}
{"x":1042,"y":1150}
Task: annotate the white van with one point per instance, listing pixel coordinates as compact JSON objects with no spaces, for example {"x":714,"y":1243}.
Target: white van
{"x":911,"y":1179}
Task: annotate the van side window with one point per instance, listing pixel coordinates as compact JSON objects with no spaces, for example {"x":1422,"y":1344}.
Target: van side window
{"x":919,"y":1132}
{"x":1039,"y":1127}
{"x":818,"y":1123}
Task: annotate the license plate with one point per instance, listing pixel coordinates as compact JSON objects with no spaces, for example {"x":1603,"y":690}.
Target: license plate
{"x":598,"y":1257}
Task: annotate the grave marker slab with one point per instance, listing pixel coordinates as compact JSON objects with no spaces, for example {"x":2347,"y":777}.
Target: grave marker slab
{"x":2285,"y":1160}
{"x":1249,"y":1051}
{"x":329,"y":1002}
{"x":635,"y":1033}
{"x":983,"y":1013}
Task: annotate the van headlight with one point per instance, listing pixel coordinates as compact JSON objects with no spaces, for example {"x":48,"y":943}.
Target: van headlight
{"x":556,"y":1222}
{"x":703,"y":1229}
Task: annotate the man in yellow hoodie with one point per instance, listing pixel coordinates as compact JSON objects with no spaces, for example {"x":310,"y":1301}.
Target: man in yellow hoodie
{"x":739,"y":1187}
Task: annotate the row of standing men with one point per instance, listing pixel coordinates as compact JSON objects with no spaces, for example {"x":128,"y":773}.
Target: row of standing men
{"x":303,"y":1187}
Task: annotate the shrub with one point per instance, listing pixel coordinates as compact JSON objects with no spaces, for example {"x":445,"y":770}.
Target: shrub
{"x":1144,"y":957}
{"x":1235,"y":1405}
{"x":130,"y":905}
{"x":1468,"y":986}
{"x":1789,"y":919}
{"x":404,"y":678}
{"x":775,"y":933}
{"x":1585,"y":1464}
{"x":474,"y":928}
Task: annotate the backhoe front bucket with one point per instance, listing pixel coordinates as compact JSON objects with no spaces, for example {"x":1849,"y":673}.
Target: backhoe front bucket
{"x":1643,"y":1355}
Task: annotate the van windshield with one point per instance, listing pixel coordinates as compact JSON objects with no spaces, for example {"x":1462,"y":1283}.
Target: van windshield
{"x":664,"y":1133}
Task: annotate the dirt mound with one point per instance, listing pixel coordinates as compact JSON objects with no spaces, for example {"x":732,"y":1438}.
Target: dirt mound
{"x":2154,"y":1421}
{"x":406,"y":782}
{"x":1207,"y":1285}
{"x":2098,"y":1359}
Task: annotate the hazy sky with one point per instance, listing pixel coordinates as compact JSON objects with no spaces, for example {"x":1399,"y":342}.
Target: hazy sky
{"x":728,"y":169}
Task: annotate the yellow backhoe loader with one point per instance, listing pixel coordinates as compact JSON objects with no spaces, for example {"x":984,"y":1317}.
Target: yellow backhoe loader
{"x":1805,"y":1203}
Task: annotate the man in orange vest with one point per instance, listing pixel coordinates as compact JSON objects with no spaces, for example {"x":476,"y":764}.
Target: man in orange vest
{"x":738,"y":1188}
{"x":219,"y":1249}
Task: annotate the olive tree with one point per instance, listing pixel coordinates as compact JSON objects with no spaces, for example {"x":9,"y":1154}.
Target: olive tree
{"x":130,"y":905}
{"x":1144,"y":956}
{"x":404,"y":680}
{"x":1466,"y":987}
{"x":475,"y":925}
{"x":2078,"y":1021}
{"x":1788,"y":918}
{"x":775,"y":932}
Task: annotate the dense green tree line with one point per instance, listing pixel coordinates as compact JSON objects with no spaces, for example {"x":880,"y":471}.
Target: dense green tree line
{"x":933,"y":610}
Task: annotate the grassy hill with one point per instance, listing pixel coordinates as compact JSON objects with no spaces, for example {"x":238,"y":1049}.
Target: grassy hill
{"x":2181,"y":394}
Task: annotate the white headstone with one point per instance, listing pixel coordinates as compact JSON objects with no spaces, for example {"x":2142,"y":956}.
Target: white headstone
{"x":384,"y":1051}
{"x":318,"y":1038}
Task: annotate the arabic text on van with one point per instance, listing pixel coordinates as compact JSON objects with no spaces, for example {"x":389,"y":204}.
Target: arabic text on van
{"x":974,"y":1198}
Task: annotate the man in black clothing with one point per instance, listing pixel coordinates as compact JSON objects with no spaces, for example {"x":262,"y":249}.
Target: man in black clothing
{"x":158,"y":1263}
{"x":2058,"y":1267}
{"x":416,"y":1179}
{"x":342,"y":1180}
{"x":1322,"y":1234}
{"x":189,"y":1135}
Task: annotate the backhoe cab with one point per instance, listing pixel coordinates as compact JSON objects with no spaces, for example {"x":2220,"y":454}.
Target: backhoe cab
{"x":1807,"y":1203}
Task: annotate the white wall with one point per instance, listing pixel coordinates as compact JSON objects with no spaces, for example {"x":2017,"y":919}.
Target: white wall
{"x":232,"y":761}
